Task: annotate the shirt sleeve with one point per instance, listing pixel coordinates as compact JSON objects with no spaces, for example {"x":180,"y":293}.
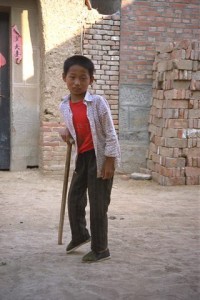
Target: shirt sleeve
{"x":112,"y":144}
{"x":61,"y":109}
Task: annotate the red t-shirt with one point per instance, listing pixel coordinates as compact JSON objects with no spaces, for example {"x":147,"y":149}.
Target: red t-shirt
{"x":82,"y":126}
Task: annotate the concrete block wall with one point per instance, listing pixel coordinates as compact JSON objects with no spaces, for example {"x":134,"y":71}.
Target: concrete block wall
{"x":144,"y":24}
{"x":174,"y":121}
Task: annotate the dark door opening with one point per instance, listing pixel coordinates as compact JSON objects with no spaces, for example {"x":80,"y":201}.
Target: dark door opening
{"x":4,"y":93}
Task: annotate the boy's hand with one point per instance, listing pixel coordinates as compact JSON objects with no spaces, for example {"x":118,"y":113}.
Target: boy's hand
{"x":108,"y":168}
{"x":66,"y":136}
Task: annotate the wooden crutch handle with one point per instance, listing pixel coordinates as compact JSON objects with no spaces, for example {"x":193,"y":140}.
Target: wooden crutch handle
{"x":64,"y":193}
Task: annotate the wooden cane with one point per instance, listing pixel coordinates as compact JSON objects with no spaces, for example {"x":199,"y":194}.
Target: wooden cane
{"x":64,"y":193}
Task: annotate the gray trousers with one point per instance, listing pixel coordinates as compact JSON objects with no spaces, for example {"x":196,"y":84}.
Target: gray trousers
{"x":85,"y":180}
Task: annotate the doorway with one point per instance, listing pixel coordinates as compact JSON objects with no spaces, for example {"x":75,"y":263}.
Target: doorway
{"x":4,"y":93}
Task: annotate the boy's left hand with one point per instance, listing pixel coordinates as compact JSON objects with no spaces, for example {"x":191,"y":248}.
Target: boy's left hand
{"x":108,"y":168}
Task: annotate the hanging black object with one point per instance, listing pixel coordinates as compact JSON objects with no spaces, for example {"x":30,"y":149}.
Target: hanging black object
{"x":106,"y":7}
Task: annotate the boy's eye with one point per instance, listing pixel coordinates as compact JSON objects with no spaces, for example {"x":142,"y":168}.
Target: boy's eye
{"x":71,"y":77}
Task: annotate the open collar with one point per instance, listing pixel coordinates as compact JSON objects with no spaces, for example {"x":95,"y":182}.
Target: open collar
{"x":88,"y":97}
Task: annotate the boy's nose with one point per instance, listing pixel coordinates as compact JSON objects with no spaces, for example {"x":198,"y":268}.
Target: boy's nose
{"x":77,"y":81}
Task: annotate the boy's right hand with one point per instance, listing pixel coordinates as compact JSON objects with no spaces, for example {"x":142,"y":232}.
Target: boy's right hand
{"x":66,"y":136}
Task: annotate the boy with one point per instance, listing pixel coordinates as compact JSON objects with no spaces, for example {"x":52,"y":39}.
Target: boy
{"x":89,"y":123}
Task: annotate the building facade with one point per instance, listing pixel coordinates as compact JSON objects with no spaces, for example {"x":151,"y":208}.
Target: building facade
{"x":122,"y":47}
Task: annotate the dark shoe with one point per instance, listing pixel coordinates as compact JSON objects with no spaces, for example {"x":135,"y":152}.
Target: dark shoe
{"x":72,"y":246}
{"x":96,"y":257}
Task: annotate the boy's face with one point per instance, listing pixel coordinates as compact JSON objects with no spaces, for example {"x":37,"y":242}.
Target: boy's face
{"x":77,"y":79}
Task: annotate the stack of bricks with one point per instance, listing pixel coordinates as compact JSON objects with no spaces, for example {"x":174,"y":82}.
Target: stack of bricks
{"x":174,"y":121}
{"x":101,"y":44}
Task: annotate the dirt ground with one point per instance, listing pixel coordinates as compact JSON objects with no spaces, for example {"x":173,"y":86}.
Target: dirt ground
{"x":153,"y":239}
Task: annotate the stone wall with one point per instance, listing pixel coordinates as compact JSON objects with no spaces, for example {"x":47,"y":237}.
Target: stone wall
{"x":144,"y":24}
{"x":174,"y":121}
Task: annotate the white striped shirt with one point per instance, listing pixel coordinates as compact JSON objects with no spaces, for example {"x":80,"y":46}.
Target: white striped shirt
{"x":104,"y":136}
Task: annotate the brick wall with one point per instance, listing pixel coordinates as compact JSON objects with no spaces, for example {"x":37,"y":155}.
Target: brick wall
{"x":174,"y":150}
{"x":101,"y":44}
{"x":144,"y":24}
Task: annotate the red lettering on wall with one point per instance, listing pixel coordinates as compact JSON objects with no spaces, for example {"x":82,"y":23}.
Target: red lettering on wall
{"x":16,"y":44}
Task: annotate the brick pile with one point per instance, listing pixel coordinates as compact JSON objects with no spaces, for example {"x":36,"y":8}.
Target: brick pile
{"x":174,"y":121}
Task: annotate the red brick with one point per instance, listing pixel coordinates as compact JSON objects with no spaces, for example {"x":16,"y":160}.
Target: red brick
{"x":153,"y":147}
{"x":156,"y":176}
{"x":177,"y":123}
{"x":171,"y":181}
{"x":192,"y":171}
{"x":177,"y":94}
{"x":175,"y":143}
{"x":194,"y":114}
{"x":182,"y":64}
{"x":175,"y":162}
{"x":164,"y":47}
{"x":178,"y":152}
{"x":170,"y":132}
{"x":150,"y":165}
{"x":158,"y":103}
{"x":195,"y":85}
{"x":178,"y":53}
{"x":156,"y":130}
{"x":184,"y":44}
{"x":192,"y":180}
{"x":175,"y":104}
{"x":156,"y":158}
{"x":165,"y":151}
{"x":159,"y":140}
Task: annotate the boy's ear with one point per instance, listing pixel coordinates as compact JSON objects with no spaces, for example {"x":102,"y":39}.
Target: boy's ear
{"x":91,"y":79}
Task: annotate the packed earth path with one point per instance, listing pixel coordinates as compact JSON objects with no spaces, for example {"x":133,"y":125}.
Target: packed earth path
{"x":154,"y":242}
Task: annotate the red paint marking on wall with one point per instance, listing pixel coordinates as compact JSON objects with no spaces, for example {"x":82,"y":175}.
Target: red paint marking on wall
{"x":16,"y":44}
{"x":2,"y":60}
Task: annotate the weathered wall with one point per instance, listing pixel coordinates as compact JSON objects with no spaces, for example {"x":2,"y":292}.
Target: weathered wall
{"x":25,"y":86}
{"x":143,"y":25}
{"x":61,"y":23}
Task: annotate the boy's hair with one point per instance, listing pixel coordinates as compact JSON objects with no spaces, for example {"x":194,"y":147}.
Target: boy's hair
{"x":80,"y":60}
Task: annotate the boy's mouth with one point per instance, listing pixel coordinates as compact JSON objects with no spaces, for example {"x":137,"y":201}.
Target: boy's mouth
{"x":77,"y":90}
